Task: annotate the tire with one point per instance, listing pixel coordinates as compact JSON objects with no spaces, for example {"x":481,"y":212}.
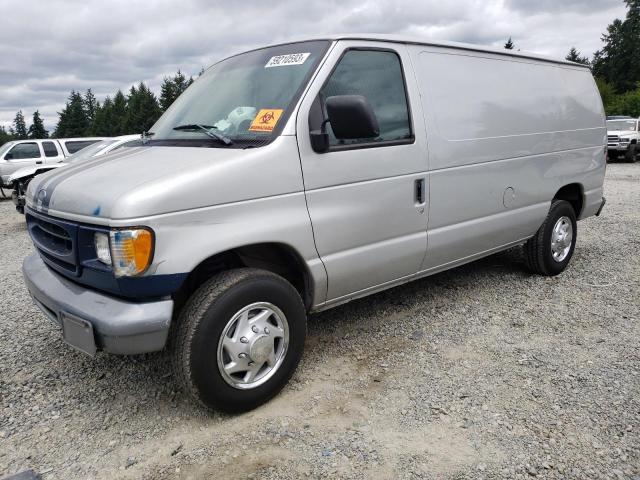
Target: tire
{"x":205,"y":329}
{"x":538,"y":252}
{"x":630,"y":154}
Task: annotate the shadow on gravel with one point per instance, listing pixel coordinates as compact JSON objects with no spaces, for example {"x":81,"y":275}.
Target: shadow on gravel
{"x":497,"y":267}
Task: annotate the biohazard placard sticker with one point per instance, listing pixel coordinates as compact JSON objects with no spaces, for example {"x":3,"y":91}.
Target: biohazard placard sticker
{"x":288,"y":59}
{"x":266,"y":120}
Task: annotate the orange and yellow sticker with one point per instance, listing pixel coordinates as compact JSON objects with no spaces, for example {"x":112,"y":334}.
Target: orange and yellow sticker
{"x":266,"y":120}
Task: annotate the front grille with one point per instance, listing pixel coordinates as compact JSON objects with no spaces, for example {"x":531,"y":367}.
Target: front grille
{"x":54,"y":236}
{"x":55,"y":241}
{"x":613,"y":138}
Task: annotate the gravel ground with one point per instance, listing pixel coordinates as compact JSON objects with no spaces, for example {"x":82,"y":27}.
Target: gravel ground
{"x":484,"y":371}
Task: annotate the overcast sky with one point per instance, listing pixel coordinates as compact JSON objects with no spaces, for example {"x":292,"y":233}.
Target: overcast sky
{"x":50,"y":47}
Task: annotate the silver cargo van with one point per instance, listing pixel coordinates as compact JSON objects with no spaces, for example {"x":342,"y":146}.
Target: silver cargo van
{"x":293,"y":178}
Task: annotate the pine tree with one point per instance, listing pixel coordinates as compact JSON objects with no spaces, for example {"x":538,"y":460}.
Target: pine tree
{"x":73,"y":120}
{"x":119,"y":113}
{"x":167,"y":93}
{"x":509,"y":45}
{"x":4,"y":136}
{"x":574,"y":56}
{"x":20,"y":127}
{"x":37,"y":130}
{"x":142,"y":109}
{"x":90,"y":104}
{"x":103,"y":121}
{"x":618,"y":62}
{"x":172,"y":88}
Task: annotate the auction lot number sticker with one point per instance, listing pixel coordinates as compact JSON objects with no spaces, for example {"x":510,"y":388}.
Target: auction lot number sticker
{"x":286,"y":60}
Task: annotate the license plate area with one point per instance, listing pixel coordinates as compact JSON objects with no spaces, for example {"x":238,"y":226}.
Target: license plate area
{"x":78,"y":333}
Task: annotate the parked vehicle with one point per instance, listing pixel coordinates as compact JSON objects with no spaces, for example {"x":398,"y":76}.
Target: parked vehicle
{"x":18,"y":154}
{"x":297,"y":177}
{"x":622,"y":138}
{"x":20,"y":179}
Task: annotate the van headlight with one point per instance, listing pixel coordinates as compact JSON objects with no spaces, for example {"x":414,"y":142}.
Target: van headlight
{"x":625,"y":140}
{"x":128,"y":251}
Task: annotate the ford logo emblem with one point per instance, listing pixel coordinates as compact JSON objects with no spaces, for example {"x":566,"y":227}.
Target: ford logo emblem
{"x":42,"y":194}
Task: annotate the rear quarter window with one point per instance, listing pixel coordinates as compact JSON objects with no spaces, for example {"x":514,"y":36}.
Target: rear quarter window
{"x":50,"y":149}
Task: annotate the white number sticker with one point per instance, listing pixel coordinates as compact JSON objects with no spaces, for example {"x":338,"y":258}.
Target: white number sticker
{"x":286,"y":60}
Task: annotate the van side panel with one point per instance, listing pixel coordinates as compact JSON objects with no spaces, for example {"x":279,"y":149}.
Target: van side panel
{"x":504,"y":135}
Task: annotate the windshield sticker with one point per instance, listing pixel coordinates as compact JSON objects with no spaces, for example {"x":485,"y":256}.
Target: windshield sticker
{"x":286,"y":60}
{"x":266,"y":120}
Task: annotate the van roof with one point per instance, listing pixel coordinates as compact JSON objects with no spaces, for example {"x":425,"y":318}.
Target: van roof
{"x":421,"y":41}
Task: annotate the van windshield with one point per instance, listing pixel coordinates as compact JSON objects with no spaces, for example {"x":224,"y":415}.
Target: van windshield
{"x":242,"y":101}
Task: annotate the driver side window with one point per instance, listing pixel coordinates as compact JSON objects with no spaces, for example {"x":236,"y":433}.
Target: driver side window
{"x":24,"y":151}
{"x":377,"y":75}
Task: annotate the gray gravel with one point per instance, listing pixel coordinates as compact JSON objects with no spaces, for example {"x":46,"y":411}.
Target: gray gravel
{"x":481,"y":372}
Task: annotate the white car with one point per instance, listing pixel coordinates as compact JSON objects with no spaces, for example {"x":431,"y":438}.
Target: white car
{"x":623,"y":135}
{"x":19,"y":179}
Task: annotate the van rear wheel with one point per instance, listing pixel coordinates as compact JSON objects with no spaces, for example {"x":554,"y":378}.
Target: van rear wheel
{"x":549,"y":251}
{"x":239,"y":339}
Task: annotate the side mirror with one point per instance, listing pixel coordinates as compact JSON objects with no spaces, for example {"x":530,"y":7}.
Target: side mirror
{"x":8,"y":156}
{"x":350,"y":116}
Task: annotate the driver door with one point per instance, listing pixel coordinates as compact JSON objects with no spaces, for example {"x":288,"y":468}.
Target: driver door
{"x":367,"y":198}
{"x":22,"y":155}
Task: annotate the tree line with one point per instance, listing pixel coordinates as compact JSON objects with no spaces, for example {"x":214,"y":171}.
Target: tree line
{"x":84,"y":116}
{"x":616,"y":68}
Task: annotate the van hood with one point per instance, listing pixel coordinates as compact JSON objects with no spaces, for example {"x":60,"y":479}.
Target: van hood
{"x":151,"y":180}
{"x":622,"y":133}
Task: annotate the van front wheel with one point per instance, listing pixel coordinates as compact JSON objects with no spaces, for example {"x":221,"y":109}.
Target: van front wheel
{"x":239,"y":339}
{"x":549,"y":251}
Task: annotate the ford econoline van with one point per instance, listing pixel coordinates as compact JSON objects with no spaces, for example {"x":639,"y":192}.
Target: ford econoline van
{"x":296,"y":177}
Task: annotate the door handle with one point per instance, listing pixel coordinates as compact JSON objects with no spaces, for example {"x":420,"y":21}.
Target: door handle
{"x":38,"y":162}
{"x":419,"y":191}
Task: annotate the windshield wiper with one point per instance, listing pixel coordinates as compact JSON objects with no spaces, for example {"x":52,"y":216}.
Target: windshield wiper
{"x":208,"y":129}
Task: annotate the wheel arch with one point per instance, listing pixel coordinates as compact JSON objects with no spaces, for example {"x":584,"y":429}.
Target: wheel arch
{"x":574,"y":194}
{"x":279,"y":258}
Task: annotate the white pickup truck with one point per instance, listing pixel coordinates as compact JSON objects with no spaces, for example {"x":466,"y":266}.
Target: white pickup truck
{"x":622,"y":138}
{"x":24,"y":153}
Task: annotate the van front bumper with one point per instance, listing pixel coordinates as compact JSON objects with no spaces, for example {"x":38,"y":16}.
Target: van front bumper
{"x":91,"y":320}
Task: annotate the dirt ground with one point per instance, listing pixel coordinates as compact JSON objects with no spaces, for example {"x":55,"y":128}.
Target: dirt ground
{"x":484,"y":371}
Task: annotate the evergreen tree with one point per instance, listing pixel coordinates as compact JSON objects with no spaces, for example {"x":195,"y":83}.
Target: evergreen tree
{"x":119,"y":113}
{"x":618,"y":62}
{"x":37,"y":130}
{"x":90,"y":105}
{"x":574,"y":56}
{"x":509,"y":45}
{"x":73,"y":120}
{"x":103,"y":121}
{"x":172,"y":88}
{"x":20,"y":127}
{"x":4,"y":135}
{"x":142,"y":109}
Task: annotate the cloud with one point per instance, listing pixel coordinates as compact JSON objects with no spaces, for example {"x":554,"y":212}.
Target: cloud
{"x":53,"y":47}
